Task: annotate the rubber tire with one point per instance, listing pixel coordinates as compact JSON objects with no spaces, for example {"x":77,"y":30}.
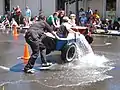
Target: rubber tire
{"x":65,"y":53}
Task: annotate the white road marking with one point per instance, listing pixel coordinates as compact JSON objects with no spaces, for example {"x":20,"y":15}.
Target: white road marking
{"x":5,"y":68}
{"x":108,"y":43}
{"x":101,"y":45}
{"x":19,"y":57}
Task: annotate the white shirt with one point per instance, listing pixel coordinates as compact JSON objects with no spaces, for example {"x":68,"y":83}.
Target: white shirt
{"x":67,"y":25}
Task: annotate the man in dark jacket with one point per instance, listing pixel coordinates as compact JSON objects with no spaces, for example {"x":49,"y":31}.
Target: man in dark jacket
{"x":34,"y":37}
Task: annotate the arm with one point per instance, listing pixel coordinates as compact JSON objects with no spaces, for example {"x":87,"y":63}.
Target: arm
{"x":56,"y":36}
{"x":58,"y":23}
{"x":53,"y":22}
{"x":71,"y":31}
{"x":68,"y":27}
{"x":30,"y":13}
{"x":47,"y":26}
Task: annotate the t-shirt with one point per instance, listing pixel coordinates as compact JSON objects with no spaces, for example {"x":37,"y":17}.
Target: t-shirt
{"x":83,"y":20}
{"x":64,"y":30}
{"x":2,"y":18}
{"x":18,"y":11}
{"x":28,"y":13}
{"x":50,"y":19}
{"x":89,"y":13}
{"x":81,"y":13}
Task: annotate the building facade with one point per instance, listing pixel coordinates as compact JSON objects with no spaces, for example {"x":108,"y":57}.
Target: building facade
{"x":48,"y":6}
{"x":105,"y":7}
{"x":1,"y":7}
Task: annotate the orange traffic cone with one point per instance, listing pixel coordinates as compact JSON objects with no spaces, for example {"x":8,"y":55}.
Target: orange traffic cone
{"x":26,"y":54}
{"x":15,"y":31}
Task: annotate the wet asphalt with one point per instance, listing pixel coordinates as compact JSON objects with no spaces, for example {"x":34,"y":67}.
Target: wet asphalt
{"x":69,"y":76}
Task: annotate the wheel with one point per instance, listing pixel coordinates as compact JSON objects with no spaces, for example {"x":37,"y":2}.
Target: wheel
{"x":68,"y":53}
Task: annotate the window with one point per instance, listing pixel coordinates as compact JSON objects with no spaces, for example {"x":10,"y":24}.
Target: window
{"x":110,"y":5}
{"x":7,"y":5}
{"x":72,"y":1}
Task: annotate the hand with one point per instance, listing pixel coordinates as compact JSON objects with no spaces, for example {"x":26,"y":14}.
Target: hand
{"x":55,"y":35}
{"x":57,"y":26}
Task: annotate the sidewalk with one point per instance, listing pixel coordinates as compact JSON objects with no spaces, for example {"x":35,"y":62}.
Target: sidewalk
{"x":110,"y":32}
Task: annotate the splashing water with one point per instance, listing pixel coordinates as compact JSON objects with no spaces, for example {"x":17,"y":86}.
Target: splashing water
{"x":88,"y":69}
{"x":86,"y":54}
{"x":94,"y":60}
{"x":83,"y":46}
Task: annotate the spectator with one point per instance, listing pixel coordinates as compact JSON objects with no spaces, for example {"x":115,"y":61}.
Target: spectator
{"x":81,"y":12}
{"x":53,"y":20}
{"x":98,"y":23}
{"x":18,"y":14}
{"x":89,"y":13}
{"x":83,"y":20}
{"x":28,"y":14}
{"x":96,"y":14}
{"x":13,"y":13}
{"x":116,"y":25}
{"x":105,"y":25}
{"x":92,"y":24}
{"x":72,"y":19}
{"x":61,"y":15}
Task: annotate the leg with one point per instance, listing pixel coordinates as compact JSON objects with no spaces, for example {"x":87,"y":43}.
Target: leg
{"x":43,"y":59}
{"x":35,"y":53}
{"x":43,"y":56}
{"x":19,"y":20}
{"x":42,"y":49}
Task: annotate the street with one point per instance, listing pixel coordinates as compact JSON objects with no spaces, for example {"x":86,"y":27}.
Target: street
{"x":89,"y":73}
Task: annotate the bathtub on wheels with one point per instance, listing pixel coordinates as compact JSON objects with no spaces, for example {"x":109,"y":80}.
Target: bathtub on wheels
{"x":67,"y":46}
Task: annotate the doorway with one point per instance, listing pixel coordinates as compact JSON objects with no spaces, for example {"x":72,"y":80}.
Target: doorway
{"x":111,"y":9}
{"x":60,"y":5}
{"x":7,"y":6}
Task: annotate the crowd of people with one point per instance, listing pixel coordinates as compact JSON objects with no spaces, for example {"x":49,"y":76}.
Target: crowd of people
{"x":15,"y":16}
{"x":88,"y":18}
{"x":93,"y":20}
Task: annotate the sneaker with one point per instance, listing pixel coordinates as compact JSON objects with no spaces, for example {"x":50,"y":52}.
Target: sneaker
{"x":46,"y":64}
{"x":30,"y":71}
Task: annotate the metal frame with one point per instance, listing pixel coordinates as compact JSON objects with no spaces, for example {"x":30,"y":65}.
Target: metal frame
{"x":117,"y":8}
{"x":104,"y":9}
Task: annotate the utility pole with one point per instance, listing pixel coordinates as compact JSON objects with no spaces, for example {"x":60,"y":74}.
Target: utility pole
{"x":25,"y":3}
{"x":40,"y":4}
{"x":85,"y":4}
{"x":10,"y":5}
{"x":77,"y":11}
{"x":67,"y":7}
